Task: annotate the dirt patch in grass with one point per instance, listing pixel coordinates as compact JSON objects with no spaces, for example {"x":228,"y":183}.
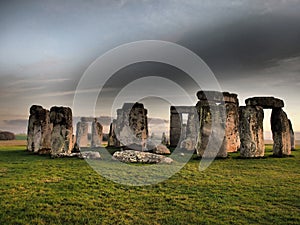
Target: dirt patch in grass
{"x":13,"y":143}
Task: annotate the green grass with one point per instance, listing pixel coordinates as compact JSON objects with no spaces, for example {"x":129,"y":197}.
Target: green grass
{"x":21,"y":137}
{"x":39,"y":190}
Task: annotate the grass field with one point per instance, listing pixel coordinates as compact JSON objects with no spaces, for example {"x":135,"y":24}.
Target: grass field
{"x":40,"y":190}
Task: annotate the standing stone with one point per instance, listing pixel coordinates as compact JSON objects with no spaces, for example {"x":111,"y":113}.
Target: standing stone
{"x":112,"y":138}
{"x":62,"y":133}
{"x":224,"y":106}
{"x":82,"y":134}
{"x":209,"y":134}
{"x":292,"y":136}
{"x":164,"y":139}
{"x":281,"y":133}
{"x":39,"y":129}
{"x":232,"y":137}
{"x":251,"y":131}
{"x":175,"y":127}
{"x":97,"y":134}
{"x":132,"y":125}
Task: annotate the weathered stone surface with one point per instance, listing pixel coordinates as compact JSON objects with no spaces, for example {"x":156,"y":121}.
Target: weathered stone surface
{"x":62,"y":133}
{"x":265,"y":102}
{"x":90,"y":155}
{"x":281,"y":133}
{"x":131,"y":156}
{"x":39,"y":129}
{"x":82,"y":134}
{"x":232,"y":139}
{"x":211,"y":134}
{"x":112,"y":138}
{"x":251,"y":131}
{"x":215,"y":96}
{"x":179,"y":131}
{"x":188,"y":144}
{"x":97,"y":133}
{"x":175,"y":128}
{"x":161,"y":149}
{"x":6,"y":135}
{"x":164,"y":139}
{"x":292,"y":134}
{"x":132,"y":124}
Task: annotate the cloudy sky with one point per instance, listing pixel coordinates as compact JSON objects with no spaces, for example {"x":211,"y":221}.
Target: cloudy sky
{"x":252,"y":47}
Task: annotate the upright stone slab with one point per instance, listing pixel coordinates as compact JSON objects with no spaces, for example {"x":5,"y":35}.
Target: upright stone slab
{"x":232,"y":137}
{"x":175,"y":127}
{"x":112,"y":138}
{"x":210,"y":141}
{"x":39,"y":129}
{"x":225,"y":106}
{"x":82,"y":134}
{"x":281,"y":133}
{"x":292,"y":136}
{"x":62,"y":133}
{"x":251,"y":131}
{"x":132,"y":125}
{"x":97,"y":134}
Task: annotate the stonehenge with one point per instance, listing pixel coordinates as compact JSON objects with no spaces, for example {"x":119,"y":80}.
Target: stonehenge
{"x":179,"y":131}
{"x":62,"y":132}
{"x":131,"y":126}
{"x":39,"y":129}
{"x":280,"y":125}
{"x":97,"y":133}
{"x":82,"y":130}
{"x":251,"y":131}
{"x":213,"y":127}
{"x":223,"y":108}
{"x":281,"y":133}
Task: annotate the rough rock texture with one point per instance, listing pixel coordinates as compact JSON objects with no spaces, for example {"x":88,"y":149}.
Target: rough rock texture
{"x":281,"y":133}
{"x":180,"y":131}
{"x":132,"y":124}
{"x":292,"y":136}
{"x":97,"y":133}
{"x":215,"y":96}
{"x":161,"y":149}
{"x":62,"y":133}
{"x":164,"y":139}
{"x":188,"y":144}
{"x":218,"y":101}
{"x":251,"y":131}
{"x":175,"y":127}
{"x":131,"y":156}
{"x":112,"y":138}
{"x":90,"y":155}
{"x":82,"y":134}
{"x":39,"y":129}
{"x":232,"y":137}
{"x":6,"y":135}
{"x":265,"y":102}
{"x":208,"y":133}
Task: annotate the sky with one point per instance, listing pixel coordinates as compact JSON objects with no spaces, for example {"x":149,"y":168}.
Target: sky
{"x":252,"y":47}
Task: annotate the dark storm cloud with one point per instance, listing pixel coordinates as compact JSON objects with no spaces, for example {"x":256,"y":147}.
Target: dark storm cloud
{"x":248,"y":43}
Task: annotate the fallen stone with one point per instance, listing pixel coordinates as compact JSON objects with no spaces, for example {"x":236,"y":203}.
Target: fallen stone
{"x":131,"y":156}
{"x":161,"y":149}
{"x":188,"y":144}
{"x":90,"y":155}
